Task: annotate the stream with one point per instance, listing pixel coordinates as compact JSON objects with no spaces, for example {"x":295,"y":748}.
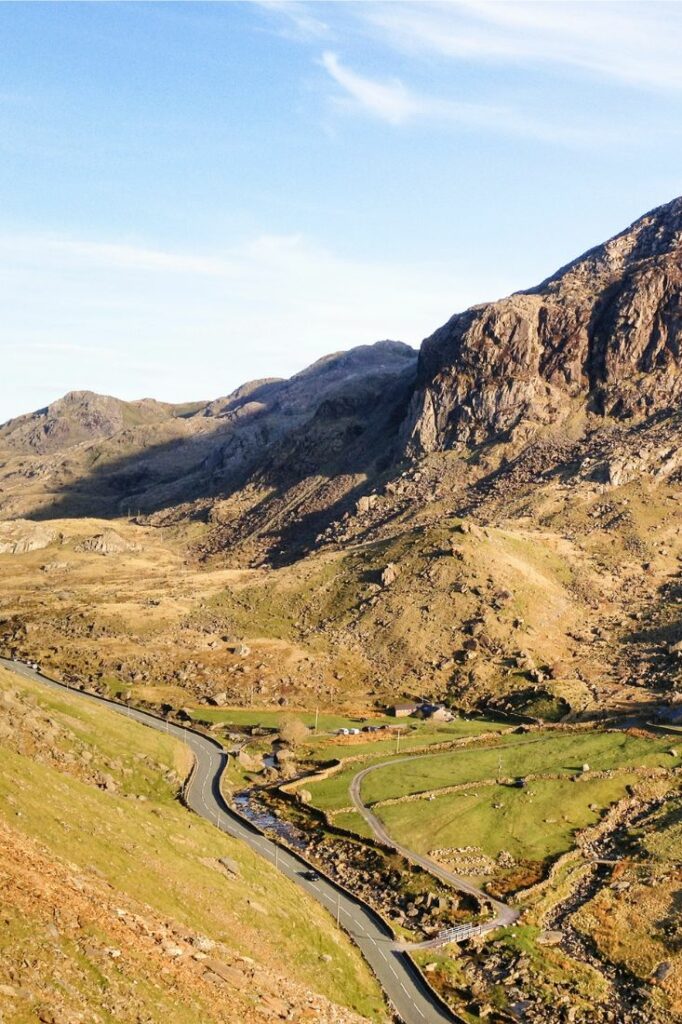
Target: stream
{"x":247,"y":804}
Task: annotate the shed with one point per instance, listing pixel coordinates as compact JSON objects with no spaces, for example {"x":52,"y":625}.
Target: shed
{"x":403,"y":710}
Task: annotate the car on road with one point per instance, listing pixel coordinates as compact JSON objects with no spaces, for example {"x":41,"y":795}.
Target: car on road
{"x":310,"y":876}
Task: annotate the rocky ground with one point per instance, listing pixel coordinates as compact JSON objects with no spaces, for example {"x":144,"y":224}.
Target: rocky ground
{"x":83,"y":953}
{"x":412,"y":901}
{"x":597,"y":944}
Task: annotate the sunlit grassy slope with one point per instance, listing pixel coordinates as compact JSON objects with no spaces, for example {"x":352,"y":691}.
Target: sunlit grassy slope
{"x":158,"y":854}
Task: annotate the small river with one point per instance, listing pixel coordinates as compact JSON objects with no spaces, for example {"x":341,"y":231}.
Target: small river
{"x":247,"y":804}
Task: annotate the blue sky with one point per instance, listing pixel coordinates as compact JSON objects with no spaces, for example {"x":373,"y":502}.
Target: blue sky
{"x":195,"y":195}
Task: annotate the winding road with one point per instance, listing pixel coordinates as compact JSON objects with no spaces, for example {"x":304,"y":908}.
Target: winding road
{"x":504,"y":915}
{"x":402,"y":982}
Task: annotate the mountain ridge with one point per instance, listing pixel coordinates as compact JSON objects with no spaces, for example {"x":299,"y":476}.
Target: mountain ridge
{"x":279,"y":463}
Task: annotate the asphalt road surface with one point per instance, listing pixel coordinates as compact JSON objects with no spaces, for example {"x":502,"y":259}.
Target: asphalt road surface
{"x":504,"y":915}
{"x":402,"y":983}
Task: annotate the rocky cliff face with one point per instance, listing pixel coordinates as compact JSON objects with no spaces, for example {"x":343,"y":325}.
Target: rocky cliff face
{"x":603,"y":334}
{"x":260,"y":420}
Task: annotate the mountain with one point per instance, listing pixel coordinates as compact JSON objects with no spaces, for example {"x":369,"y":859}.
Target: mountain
{"x":588,"y":365}
{"x":598,"y":342}
{"x":78,"y":417}
{"x":492,"y":523}
{"x":604,"y":335}
{"x":90,"y":454}
{"x":496,"y":513}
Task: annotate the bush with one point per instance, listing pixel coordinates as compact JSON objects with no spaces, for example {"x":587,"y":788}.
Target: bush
{"x":292,"y":730}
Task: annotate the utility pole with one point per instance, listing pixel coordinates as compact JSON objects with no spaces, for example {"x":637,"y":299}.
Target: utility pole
{"x":338,"y":908}
{"x":276,"y":856}
{"x":317,"y":719}
{"x":397,"y":743}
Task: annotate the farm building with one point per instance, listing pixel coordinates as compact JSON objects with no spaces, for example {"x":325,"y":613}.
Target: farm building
{"x":403,"y":710}
{"x":436,"y":713}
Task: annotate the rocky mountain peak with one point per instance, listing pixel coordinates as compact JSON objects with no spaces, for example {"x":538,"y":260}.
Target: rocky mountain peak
{"x":602,"y":335}
{"x":655,"y":234}
{"x":76,"y":417}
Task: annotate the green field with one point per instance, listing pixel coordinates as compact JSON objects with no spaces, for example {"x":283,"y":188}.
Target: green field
{"x":518,"y":756}
{"x":269,"y":719}
{"x":419,"y":734}
{"x":530,"y":824}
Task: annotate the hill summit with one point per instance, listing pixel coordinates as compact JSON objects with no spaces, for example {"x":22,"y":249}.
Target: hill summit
{"x":604,"y":333}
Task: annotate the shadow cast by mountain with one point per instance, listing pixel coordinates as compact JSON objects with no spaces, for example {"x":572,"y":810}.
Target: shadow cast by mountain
{"x":275,"y":433}
{"x":657,"y":640}
{"x":139,"y":483}
{"x":308,"y":479}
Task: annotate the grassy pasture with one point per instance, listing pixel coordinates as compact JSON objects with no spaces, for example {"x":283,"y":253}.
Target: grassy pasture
{"x":270,"y":719}
{"x":517,"y":756}
{"x":556,"y":753}
{"x":531,"y":824}
{"x":332,"y":793}
{"x":421,"y":734}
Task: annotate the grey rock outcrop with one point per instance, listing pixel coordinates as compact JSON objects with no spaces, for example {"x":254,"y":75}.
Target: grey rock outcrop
{"x":604,"y":333}
{"x":18,"y":537}
{"x":109,"y":542}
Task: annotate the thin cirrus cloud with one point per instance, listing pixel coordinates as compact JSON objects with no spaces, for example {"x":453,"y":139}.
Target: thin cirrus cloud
{"x":631,"y":43}
{"x":300,"y":22}
{"x":393,"y":102}
{"x":390,"y":101}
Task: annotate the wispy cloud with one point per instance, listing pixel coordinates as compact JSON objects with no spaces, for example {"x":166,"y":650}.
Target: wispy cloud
{"x":297,"y":19}
{"x":393,"y":102}
{"x":130,"y":257}
{"x":389,"y":100}
{"x":635,"y":43}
